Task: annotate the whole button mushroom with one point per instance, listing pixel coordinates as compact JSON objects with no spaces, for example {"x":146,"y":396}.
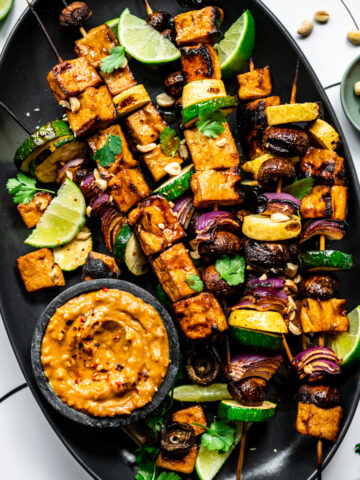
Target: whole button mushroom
{"x":75,"y":15}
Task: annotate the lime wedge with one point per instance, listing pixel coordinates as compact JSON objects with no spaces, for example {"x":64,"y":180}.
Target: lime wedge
{"x":143,"y":42}
{"x":113,"y":24}
{"x":196,"y":393}
{"x":347,"y":345}
{"x":209,"y":462}
{"x":62,"y":220}
{"x":237,"y":45}
{"x":5,"y":7}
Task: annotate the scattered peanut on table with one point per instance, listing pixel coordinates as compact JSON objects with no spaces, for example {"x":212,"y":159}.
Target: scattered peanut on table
{"x":321,"y":16}
{"x":305,"y":28}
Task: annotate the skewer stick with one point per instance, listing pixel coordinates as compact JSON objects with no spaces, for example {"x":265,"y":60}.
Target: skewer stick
{"x":48,"y":38}
{"x":149,"y":10}
{"x":251,"y":65}
{"x":15,"y":117}
{"x":287,"y":349}
{"x":294,"y":86}
{"x":279,"y":186}
{"x":223,"y":367}
{"x":228,"y":356}
{"x":242,"y":451}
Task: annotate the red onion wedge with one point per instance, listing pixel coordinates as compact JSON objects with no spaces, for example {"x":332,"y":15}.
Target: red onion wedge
{"x":332,"y":229}
{"x":316,"y":362}
{"x":210,"y":222}
{"x":246,"y":365}
{"x":184,"y":209}
{"x":269,"y":203}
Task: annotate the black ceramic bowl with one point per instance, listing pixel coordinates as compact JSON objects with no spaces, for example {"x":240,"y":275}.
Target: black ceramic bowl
{"x":43,"y":383}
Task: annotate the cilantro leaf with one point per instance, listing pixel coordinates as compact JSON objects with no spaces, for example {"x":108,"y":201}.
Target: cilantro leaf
{"x":23,"y":188}
{"x":146,"y":471}
{"x":114,"y":60}
{"x":211,"y":121}
{"x":232,"y":270}
{"x":155,"y":421}
{"x":195,"y":283}
{"x":219,"y":436}
{"x":106,"y":155}
{"x":300,"y":188}
{"x":357,"y":448}
{"x":168,"y":476}
{"x":169,"y":142}
{"x":145,"y":459}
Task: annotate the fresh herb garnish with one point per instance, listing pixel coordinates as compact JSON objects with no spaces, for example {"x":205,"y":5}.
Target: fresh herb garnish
{"x":114,"y":60}
{"x":219,"y":436}
{"x":211,"y":121}
{"x":23,"y":188}
{"x":168,"y":476}
{"x":232,"y":270}
{"x":300,"y":188}
{"x":145,"y":459}
{"x":357,"y":448}
{"x":106,"y":155}
{"x":195,"y":283}
{"x":169,"y":142}
{"x":155,"y":421}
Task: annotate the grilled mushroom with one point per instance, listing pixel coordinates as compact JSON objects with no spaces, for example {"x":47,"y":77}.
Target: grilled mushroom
{"x":223,"y":243}
{"x":266,"y":255}
{"x":323,"y":396}
{"x":274,"y":169}
{"x":322,"y":287}
{"x":197,"y":3}
{"x":177,"y":438}
{"x":202,"y":367}
{"x":169,"y":34}
{"x":250,"y":391}
{"x":285,"y":142}
{"x":174,"y":84}
{"x":159,"y":20}
{"x":75,"y":15}
{"x":99,"y":265}
{"x":214,"y":284}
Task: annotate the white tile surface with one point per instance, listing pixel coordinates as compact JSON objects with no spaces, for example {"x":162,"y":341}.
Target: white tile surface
{"x":24,"y":433}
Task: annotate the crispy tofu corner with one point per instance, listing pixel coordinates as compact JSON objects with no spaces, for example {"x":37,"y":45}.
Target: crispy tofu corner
{"x":318,"y":422}
{"x":324,"y":316}
{"x":216,"y":186}
{"x":127,"y":188}
{"x":199,"y":26}
{"x":96,"y":45}
{"x":255,"y":84}
{"x":32,"y":212}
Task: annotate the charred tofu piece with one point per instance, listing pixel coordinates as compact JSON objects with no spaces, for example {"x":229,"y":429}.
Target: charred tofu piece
{"x":318,"y":316}
{"x":183,"y":464}
{"x":99,"y":265}
{"x":198,"y":26}
{"x":127,"y":188}
{"x":38,"y":270}
{"x":253,"y":143}
{"x":157,"y":162}
{"x":72,"y":77}
{"x":191,"y":415}
{"x":172,"y":268}
{"x":32,"y":212}
{"x":339,"y":197}
{"x":212,"y":153}
{"x":318,"y":422}
{"x":217,"y":186}
{"x":252,"y":114}
{"x":317,"y":204}
{"x":325,"y":166}
{"x":124,"y":159}
{"x":254,"y":84}
{"x":155,"y":224}
{"x":199,"y":62}
{"x":144,"y":126}
{"x":119,"y":80}
{"x":96,"y":111}
{"x":200,"y":316}
{"x":96,"y":45}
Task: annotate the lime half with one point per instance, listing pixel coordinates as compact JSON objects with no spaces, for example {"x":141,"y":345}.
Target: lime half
{"x":143,"y":42}
{"x":196,"y":393}
{"x":237,"y":45}
{"x":113,"y":24}
{"x":62,"y":220}
{"x":5,"y":7}
{"x":209,"y":462}
{"x":347,"y":345}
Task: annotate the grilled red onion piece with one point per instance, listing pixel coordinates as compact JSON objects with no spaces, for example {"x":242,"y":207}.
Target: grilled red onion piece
{"x":73,"y":163}
{"x":263,"y":305}
{"x":100,"y":204}
{"x":248,"y":365}
{"x":89,"y":189}
{"x":332,"y":229}
{"x":184,"y":209}
{"x":276,"y":283}
{"x":210,"y":222}
{"x":269,"y":203}
{"x":316,"y":362}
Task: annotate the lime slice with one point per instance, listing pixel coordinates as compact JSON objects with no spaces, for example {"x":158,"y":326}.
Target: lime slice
{"x":347,"y":345}
{"x":5,"y":7}
{"x":196,"y":393}
{"x":237,"y":45}
{"x":143,"y":42}
{"x":62,"y":220}
{"x":209,"y":462}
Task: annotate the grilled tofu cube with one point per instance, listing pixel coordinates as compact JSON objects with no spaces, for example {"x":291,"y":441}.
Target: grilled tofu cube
{"x":254,"y":84}
{"x":191,"y":415}
{"x":38,"y":270}
{"x":317,"y":204}
{"x":96,"y":45}
{"x":252,"y":141}
{"x":99,"y":265}
{"x":172,"y":268}
{"x":325,"y":166}
{"x":156,"y":161}
{"x":183,"y":464}
{"x":124,"y":159}
{"x":72,"y":77}
{"x":119,"y":80}
{"x":323,"y":316}
{"x":216,"y":186}
{"x":128,"y":187}
{"x":339,"y":196}
{"x":131,"y":100}
{"x":324,"y":135}
{"x":155,"y":224}
{"x":200,"y":316}
{"x":212,"y":153}
{"x":292,"y":113}
{"x":198,"y":26}
{"x":318,"y":422}
{"x":145,"y":125}
{"x":32,"y":212}
{"x":252,"y":114}
{"x":199,"y":62}
{"x":96,"y":111}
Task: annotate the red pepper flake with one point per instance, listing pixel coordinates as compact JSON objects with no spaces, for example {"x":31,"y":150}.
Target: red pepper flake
{"x":118,"y":384}
{"x":108,"y":377}
{"x":105,"y":289}
{"x":76,"y":381}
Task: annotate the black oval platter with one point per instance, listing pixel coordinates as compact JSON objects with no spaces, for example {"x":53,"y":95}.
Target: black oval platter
{"x":107,"y":454}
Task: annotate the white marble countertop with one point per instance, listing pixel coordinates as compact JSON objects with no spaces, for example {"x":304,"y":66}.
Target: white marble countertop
{"x":30,"y":449}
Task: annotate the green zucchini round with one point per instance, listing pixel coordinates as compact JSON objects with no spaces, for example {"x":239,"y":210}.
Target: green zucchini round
{"x":261,"y":340}
{"x":176,"y":186}
{"x":121,"y":242}
{"x":325,"y":260}
{"x":135,"y":259}
{"x":190,"y":114}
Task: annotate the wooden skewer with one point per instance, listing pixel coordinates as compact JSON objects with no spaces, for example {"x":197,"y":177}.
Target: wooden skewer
{"x":15,"y":117}
{"x":242,"y":451}
{"x":149,"y":10}
{"x":287,"y":348}
{"x":294,"y":86}
{"x":251,"y":65}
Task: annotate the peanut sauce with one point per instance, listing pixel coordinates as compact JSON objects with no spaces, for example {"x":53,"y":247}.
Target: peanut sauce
{"x":105,"y":353}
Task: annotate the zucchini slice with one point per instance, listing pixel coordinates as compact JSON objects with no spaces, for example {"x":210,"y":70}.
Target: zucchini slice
{"x":62,"y":150}
{"x":325,"y":260}
{"x":121,"y":242}
{"x":135,"y":258}
{"x":261,"y":340}
{"x":73,"y":255}
{"x":202,"y":90}
{"x":271,"y":322}
{"x":190,"y":114}
{"x":235,"y":412}
{"x":263,"y":228}
{"x":131,"y":99}
{"x":176,"y":186}
{"x":38,"y":141}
